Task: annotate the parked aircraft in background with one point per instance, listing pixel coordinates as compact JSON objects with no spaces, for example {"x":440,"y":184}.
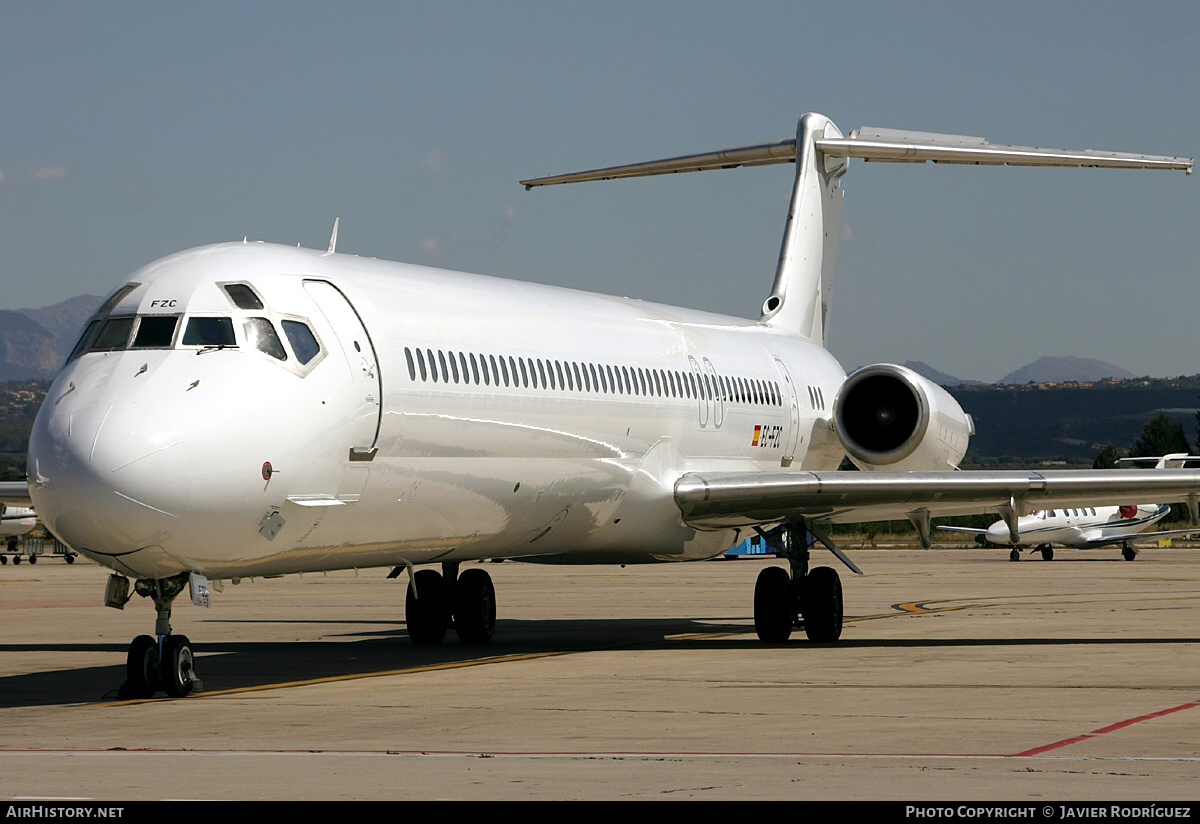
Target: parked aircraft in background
{"x":14,"y":522}
{"x":1083,"y":527}
{"x":1086,"y":527}
{"x":253,"y":409}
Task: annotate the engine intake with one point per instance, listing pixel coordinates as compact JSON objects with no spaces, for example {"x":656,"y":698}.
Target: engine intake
{"x":888,"y":416}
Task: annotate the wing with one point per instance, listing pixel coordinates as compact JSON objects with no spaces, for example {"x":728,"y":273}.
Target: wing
{"x":964,"y":529}
{"x":14,"y":493}
{"x":1140,"y":536}
{"x":727,"y":499}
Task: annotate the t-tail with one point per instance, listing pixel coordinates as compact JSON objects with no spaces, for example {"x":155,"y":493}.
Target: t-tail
{"x":799,"y":299}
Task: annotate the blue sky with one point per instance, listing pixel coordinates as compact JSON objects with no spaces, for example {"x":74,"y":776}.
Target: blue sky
{"x":130,"y":130}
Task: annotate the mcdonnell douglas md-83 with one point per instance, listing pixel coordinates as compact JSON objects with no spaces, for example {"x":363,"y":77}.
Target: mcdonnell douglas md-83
{"x":252,"y":409}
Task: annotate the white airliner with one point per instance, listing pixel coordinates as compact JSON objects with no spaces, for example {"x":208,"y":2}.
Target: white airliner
{"x":252,"y":409}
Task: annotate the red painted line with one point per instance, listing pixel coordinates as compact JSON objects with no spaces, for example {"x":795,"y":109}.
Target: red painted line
{"x":1159,"y":714}
{"x":1110,"y":728}
{"x":1054,"y":746}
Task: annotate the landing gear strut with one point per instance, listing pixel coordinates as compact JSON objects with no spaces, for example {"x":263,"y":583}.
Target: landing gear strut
{"x":808,"y":599}
{"x":163,"y":661}
{"x":435,"y":601}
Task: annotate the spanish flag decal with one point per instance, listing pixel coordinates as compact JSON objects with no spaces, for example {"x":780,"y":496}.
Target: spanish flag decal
{"x":757,"y":435}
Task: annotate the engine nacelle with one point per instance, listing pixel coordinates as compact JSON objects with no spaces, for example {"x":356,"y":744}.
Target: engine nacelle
{"x":889,"y":417}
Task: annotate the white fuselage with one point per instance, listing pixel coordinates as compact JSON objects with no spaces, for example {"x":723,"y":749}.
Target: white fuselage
{"x":1081,"y":527}
{"x":447,"y":416}
{"x":17,"y":521}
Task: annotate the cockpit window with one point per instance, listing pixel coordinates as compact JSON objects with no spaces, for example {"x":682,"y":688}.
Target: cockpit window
{"x":208,"y":331}
{"x":261,"y":335}
{"x":115,"y":298}
{"x":243,"y":296}
{"x":84,"y":339}
{"x":303,"y":342}
{"x":155,"y":332}
{"x":114,"y":334}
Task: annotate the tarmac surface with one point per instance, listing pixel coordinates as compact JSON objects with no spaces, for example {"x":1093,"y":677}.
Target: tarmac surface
{"x":959,"y":676}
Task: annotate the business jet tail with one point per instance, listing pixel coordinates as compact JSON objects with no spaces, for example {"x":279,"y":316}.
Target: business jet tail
{"x":799,"y":299}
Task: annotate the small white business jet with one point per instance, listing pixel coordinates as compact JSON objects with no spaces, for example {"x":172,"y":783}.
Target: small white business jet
{"x":1080,"y":527}
{"x":1086,"y":527}
{"x":252,"y":409}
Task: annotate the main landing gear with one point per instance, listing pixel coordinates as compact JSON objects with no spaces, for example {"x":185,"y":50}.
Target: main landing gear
{"x":1128,"y":552}
{"x":437,"y":601}
{"x":803,"y":598}
{"x":163,"y":661}
{"x":1047,"y":552}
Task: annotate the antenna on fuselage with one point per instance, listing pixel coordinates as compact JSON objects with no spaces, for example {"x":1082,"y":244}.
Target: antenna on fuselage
{"x":333,"y":237}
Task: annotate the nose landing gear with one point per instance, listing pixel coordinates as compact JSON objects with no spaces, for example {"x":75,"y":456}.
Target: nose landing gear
{"x":163,"y":661}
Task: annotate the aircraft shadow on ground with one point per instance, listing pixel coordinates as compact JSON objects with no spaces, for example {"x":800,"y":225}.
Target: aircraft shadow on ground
{"x":241,"y":665}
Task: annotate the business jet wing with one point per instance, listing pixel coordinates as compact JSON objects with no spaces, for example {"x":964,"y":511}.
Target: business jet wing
{"x":14,"y":493}
{"x":729,"y":499}
{"x":1140,"y":536}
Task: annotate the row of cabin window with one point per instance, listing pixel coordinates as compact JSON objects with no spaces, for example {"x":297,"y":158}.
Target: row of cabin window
{"x":1075,"y":513}
{"x":451,"y":367}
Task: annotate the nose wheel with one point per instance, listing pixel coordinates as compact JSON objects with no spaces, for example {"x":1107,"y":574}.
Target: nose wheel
{"x":163,"y":662}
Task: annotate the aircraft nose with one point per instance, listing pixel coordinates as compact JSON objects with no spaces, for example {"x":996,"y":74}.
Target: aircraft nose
{"x":108,"y":477}
{"x":998,"y":533}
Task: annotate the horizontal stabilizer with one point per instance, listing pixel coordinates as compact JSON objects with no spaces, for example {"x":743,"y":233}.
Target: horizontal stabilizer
{"x":881,"y":145}
{"x":782,"y":152}
{"x":897,"y":146}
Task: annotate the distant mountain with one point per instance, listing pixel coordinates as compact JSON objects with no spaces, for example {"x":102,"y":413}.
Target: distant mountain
{"x":1061,"y":369}
{"x":26,"y":348}
{"x":35,"y":342}
{"x":940,"y":378}
{"x":64,"y":321}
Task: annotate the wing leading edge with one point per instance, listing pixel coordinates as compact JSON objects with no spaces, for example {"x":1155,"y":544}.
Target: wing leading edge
{"x":728,"y":499}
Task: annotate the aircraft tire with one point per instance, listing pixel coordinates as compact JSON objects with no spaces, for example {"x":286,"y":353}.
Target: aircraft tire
{"x":474,"y":607}
{"x":16,"y":559}
{"x":823,"y":605}
{"x":1014,"y":554}
{"x":141,"y":669}
{"x":1047,"y":552}
{"x":33,"y":559}
{"x":774,"y":605}
{"x":1128,"y":553}
{"x":70,"y":559}
{"x":177,"y":665}
{"x":3,"y":560}
{"x":427,"y":617}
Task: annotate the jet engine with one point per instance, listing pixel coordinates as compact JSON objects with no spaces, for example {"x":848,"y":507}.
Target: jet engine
{"x":889,"y":417}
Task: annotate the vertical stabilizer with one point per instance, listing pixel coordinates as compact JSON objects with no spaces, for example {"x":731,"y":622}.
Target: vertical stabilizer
{"x":799,"y":300}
